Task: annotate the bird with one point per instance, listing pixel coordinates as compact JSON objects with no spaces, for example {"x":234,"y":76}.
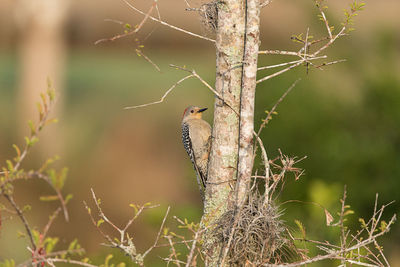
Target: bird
{"x":196,"y":138}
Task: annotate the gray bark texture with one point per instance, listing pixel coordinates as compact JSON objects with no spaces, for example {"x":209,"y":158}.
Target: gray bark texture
{"x":231,"y":158}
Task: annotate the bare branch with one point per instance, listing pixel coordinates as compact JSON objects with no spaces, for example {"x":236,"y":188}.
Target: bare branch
{"x":50,"y":222}
{"x":330,"y":63}
{"x":192,"y":249}
{"x":10,"y":199}
{"x":287,"y":63}
{"x":137,"y":29}
{"x":194,"y":73}
{"x":159,"y":234}
{"x":69,"y":261}
{"x":164,"y":96}
{"x":328,"y":28}
{"x":280,"y":52}
{"x":167,"y":24}
{"x":280,"y":72}
{"x":269,"y":115}
{"x":139,"y":52}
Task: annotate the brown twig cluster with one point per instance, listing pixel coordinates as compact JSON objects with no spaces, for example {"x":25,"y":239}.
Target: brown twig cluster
{"x":359,"y":248}
{"x":41,"y":244}
{"x":125,"y":242}
{"x":305,"y":54}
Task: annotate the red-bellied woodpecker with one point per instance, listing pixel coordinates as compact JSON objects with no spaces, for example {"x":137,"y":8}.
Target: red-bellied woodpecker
{"x":196,"y":138}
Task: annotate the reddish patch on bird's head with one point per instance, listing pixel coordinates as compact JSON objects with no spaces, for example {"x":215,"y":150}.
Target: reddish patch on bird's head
{"x":185,"y":111}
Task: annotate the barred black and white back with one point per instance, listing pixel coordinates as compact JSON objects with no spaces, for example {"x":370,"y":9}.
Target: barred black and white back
{"x":187,"y":144}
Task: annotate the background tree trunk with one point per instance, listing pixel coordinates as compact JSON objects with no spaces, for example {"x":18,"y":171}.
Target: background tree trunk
{"x":237,"y":49}
{"x":42,"y":53}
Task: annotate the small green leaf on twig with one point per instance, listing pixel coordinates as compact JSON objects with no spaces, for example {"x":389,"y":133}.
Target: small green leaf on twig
{"x":68,"y":198}
{"x":99,"y":222}
{"x":383,"y":226}
{"x":18,"y":151}
{"x":301,"y":228}
{"x":49,"y":198}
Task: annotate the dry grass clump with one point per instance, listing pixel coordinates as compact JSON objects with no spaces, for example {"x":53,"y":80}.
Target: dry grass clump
{"x":209,"y":15}
{"x":259,"y":233}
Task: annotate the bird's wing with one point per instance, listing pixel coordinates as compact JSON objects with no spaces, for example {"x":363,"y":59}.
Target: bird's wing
{"x":187,"y":143}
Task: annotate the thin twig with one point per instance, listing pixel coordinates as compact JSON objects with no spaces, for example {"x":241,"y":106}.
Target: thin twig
{"x":139,"y":52}
{"x":194,"y":73}
{"x":10,"y":199}
{"x":330,"y":63}
{"x":164,"y":96}
{"x":76,"y":262}
{"x":159,"y":234}
{"x":58,"y":192}
{"x":130,"y":32}
{"x":169,"y":25}
{"x":268,"y":117}
{"x":50,"y":222}
{"x":192,"y":249}
{"x":287,"y":63}
{"x":328,"y":28}
{"x":279,"y":72}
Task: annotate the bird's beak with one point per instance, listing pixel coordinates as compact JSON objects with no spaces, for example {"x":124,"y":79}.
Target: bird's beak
{"x":202,"y":109}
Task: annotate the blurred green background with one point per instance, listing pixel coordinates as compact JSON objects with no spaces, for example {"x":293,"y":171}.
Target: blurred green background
{"x":345,"y":119}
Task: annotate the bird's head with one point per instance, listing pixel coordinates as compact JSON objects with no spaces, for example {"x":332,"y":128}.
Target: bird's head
{"x":193,"y":112}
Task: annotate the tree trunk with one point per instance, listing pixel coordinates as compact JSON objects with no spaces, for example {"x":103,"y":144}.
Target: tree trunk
{"x":42,"y":52}
{"x":237,"y":49}
{"x":248,"y":94}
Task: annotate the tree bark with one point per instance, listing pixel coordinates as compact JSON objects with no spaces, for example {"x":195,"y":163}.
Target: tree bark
{"x":237,"y":41}
{"x":246,"y":130}
{"x":224,"y":149}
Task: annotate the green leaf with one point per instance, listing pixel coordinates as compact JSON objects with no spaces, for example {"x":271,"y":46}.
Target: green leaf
{"x":36,"y":236}
{"x":7,"y":263}
{"x":26,"y":208}
{"x":44,"y":100}
{"x":10,"y":165}
{"x":52,"y":176}
{"x":363,"y":224}
{"x":48,"y":198}
{"x":383,"y":226}
{"x":72,"y":245}
{"x":62,"y":175}
{"x":301,"y":228}
{"x":50,"y":244}
{"x":51,"y":93}
{"x":20,"y":234}
{"x":32,"y":141}
{"x":348,"y":212}
{"x":108,"y":258}
{"x":18,"y":151}
{"x":134,"y":207}
{"x":99,"y":222}
{"x":68,"y":198}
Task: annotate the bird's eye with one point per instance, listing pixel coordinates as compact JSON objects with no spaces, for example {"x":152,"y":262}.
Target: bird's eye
{"x":191,"y":111}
